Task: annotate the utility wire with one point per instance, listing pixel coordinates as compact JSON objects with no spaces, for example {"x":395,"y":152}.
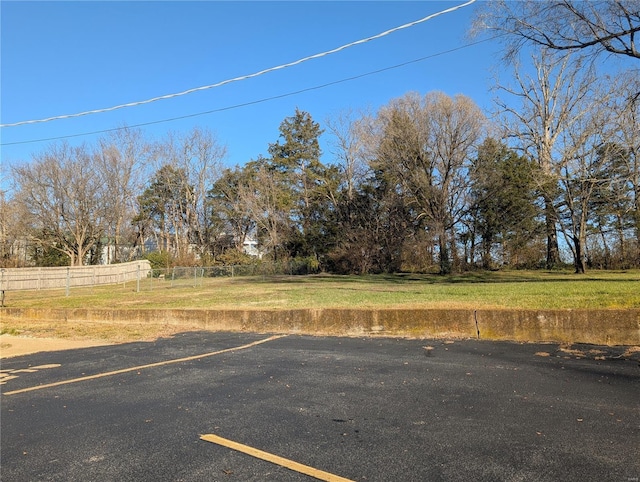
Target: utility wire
{"x":258,"y":101}
{"x":244,"y":77}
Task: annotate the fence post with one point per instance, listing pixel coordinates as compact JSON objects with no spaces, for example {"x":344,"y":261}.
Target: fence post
{"x":68,"y":280}
{"x":138,"y":281}
{"x":2,"y":287}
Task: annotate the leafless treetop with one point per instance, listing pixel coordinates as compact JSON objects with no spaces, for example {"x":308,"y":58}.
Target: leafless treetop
{"x":591,"y":26}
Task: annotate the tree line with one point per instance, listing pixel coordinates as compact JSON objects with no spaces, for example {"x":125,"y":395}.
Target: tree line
{"x":426,"y":183}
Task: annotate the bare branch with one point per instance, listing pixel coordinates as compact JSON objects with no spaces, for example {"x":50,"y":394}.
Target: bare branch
{"x":565,"y":25}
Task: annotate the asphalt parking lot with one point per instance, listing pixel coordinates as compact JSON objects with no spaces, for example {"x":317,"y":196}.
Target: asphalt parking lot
{"x":374,"y":409}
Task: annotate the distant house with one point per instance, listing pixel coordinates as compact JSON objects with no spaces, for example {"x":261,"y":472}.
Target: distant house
{"x":15,"y":252}
{"x":250,"y":247}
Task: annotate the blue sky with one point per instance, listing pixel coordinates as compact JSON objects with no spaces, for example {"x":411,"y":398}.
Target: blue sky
{"x":67,"y":57}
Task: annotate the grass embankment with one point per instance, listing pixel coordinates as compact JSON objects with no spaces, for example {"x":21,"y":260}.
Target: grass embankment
{"x":477,"y":290}
{"x":516,"y":289}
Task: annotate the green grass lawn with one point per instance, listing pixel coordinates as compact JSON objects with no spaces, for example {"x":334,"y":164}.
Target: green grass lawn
{"x":508,"y":289}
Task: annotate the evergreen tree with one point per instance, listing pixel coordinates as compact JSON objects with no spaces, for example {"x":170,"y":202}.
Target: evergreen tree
{"x":503,"y":204}
{"x":311,"y":186}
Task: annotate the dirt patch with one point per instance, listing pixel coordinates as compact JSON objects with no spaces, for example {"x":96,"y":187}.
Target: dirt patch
{"x":11,"y":345}
{"x":542,"y":353}
{"x":23,"y":337}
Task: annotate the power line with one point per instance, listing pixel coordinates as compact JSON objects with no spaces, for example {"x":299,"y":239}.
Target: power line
{"x":258,"y":101}
{"x":244,"y":77}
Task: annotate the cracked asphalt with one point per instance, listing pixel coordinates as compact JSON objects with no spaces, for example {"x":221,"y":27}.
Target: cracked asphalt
{"x":374,"y":409}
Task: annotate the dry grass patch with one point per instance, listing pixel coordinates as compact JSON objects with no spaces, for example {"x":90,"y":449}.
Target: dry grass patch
{"x":107,"y":332}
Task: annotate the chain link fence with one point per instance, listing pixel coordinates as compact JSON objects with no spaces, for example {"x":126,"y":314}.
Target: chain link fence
{"x":139,"y":275}
{"x":196,"y":276}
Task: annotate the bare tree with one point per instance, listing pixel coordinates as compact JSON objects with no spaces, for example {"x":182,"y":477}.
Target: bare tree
{"x":232,"y":216}
{"x":203,"y":154}
{"x":13,"y":226}
{"x":61,"y":190}
{"x":580,"y":170}
{"x":120,"y":160}
{"x":570,"y":25}
{"x":349,"y":147}
{"x":425,"y":145}
{"x":265,"y":199}
{"x":626,"y":116}
{"x":549,"y":103}
{"x":194,"y":160}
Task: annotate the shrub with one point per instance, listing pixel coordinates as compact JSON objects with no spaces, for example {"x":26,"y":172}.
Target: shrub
{"x":159,"y":259}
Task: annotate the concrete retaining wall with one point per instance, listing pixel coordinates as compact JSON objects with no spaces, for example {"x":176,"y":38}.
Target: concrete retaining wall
{"x":602,"y":327}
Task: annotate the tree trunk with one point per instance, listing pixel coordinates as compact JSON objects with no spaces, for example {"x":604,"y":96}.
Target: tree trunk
{"x":486,"y":254}
{"x":445,"y":262}
{"x":553,"y":251}
{"x":578,"y":262}
{"x":455,"y":255}
{"x":607,"y":251}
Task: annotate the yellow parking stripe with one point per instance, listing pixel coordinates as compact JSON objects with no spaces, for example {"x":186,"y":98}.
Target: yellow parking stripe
{"x":142,"y":367}
{"x":275,"y":459}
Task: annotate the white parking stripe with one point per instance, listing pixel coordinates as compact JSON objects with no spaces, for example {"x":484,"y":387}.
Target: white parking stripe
{"x":142,"y":367}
